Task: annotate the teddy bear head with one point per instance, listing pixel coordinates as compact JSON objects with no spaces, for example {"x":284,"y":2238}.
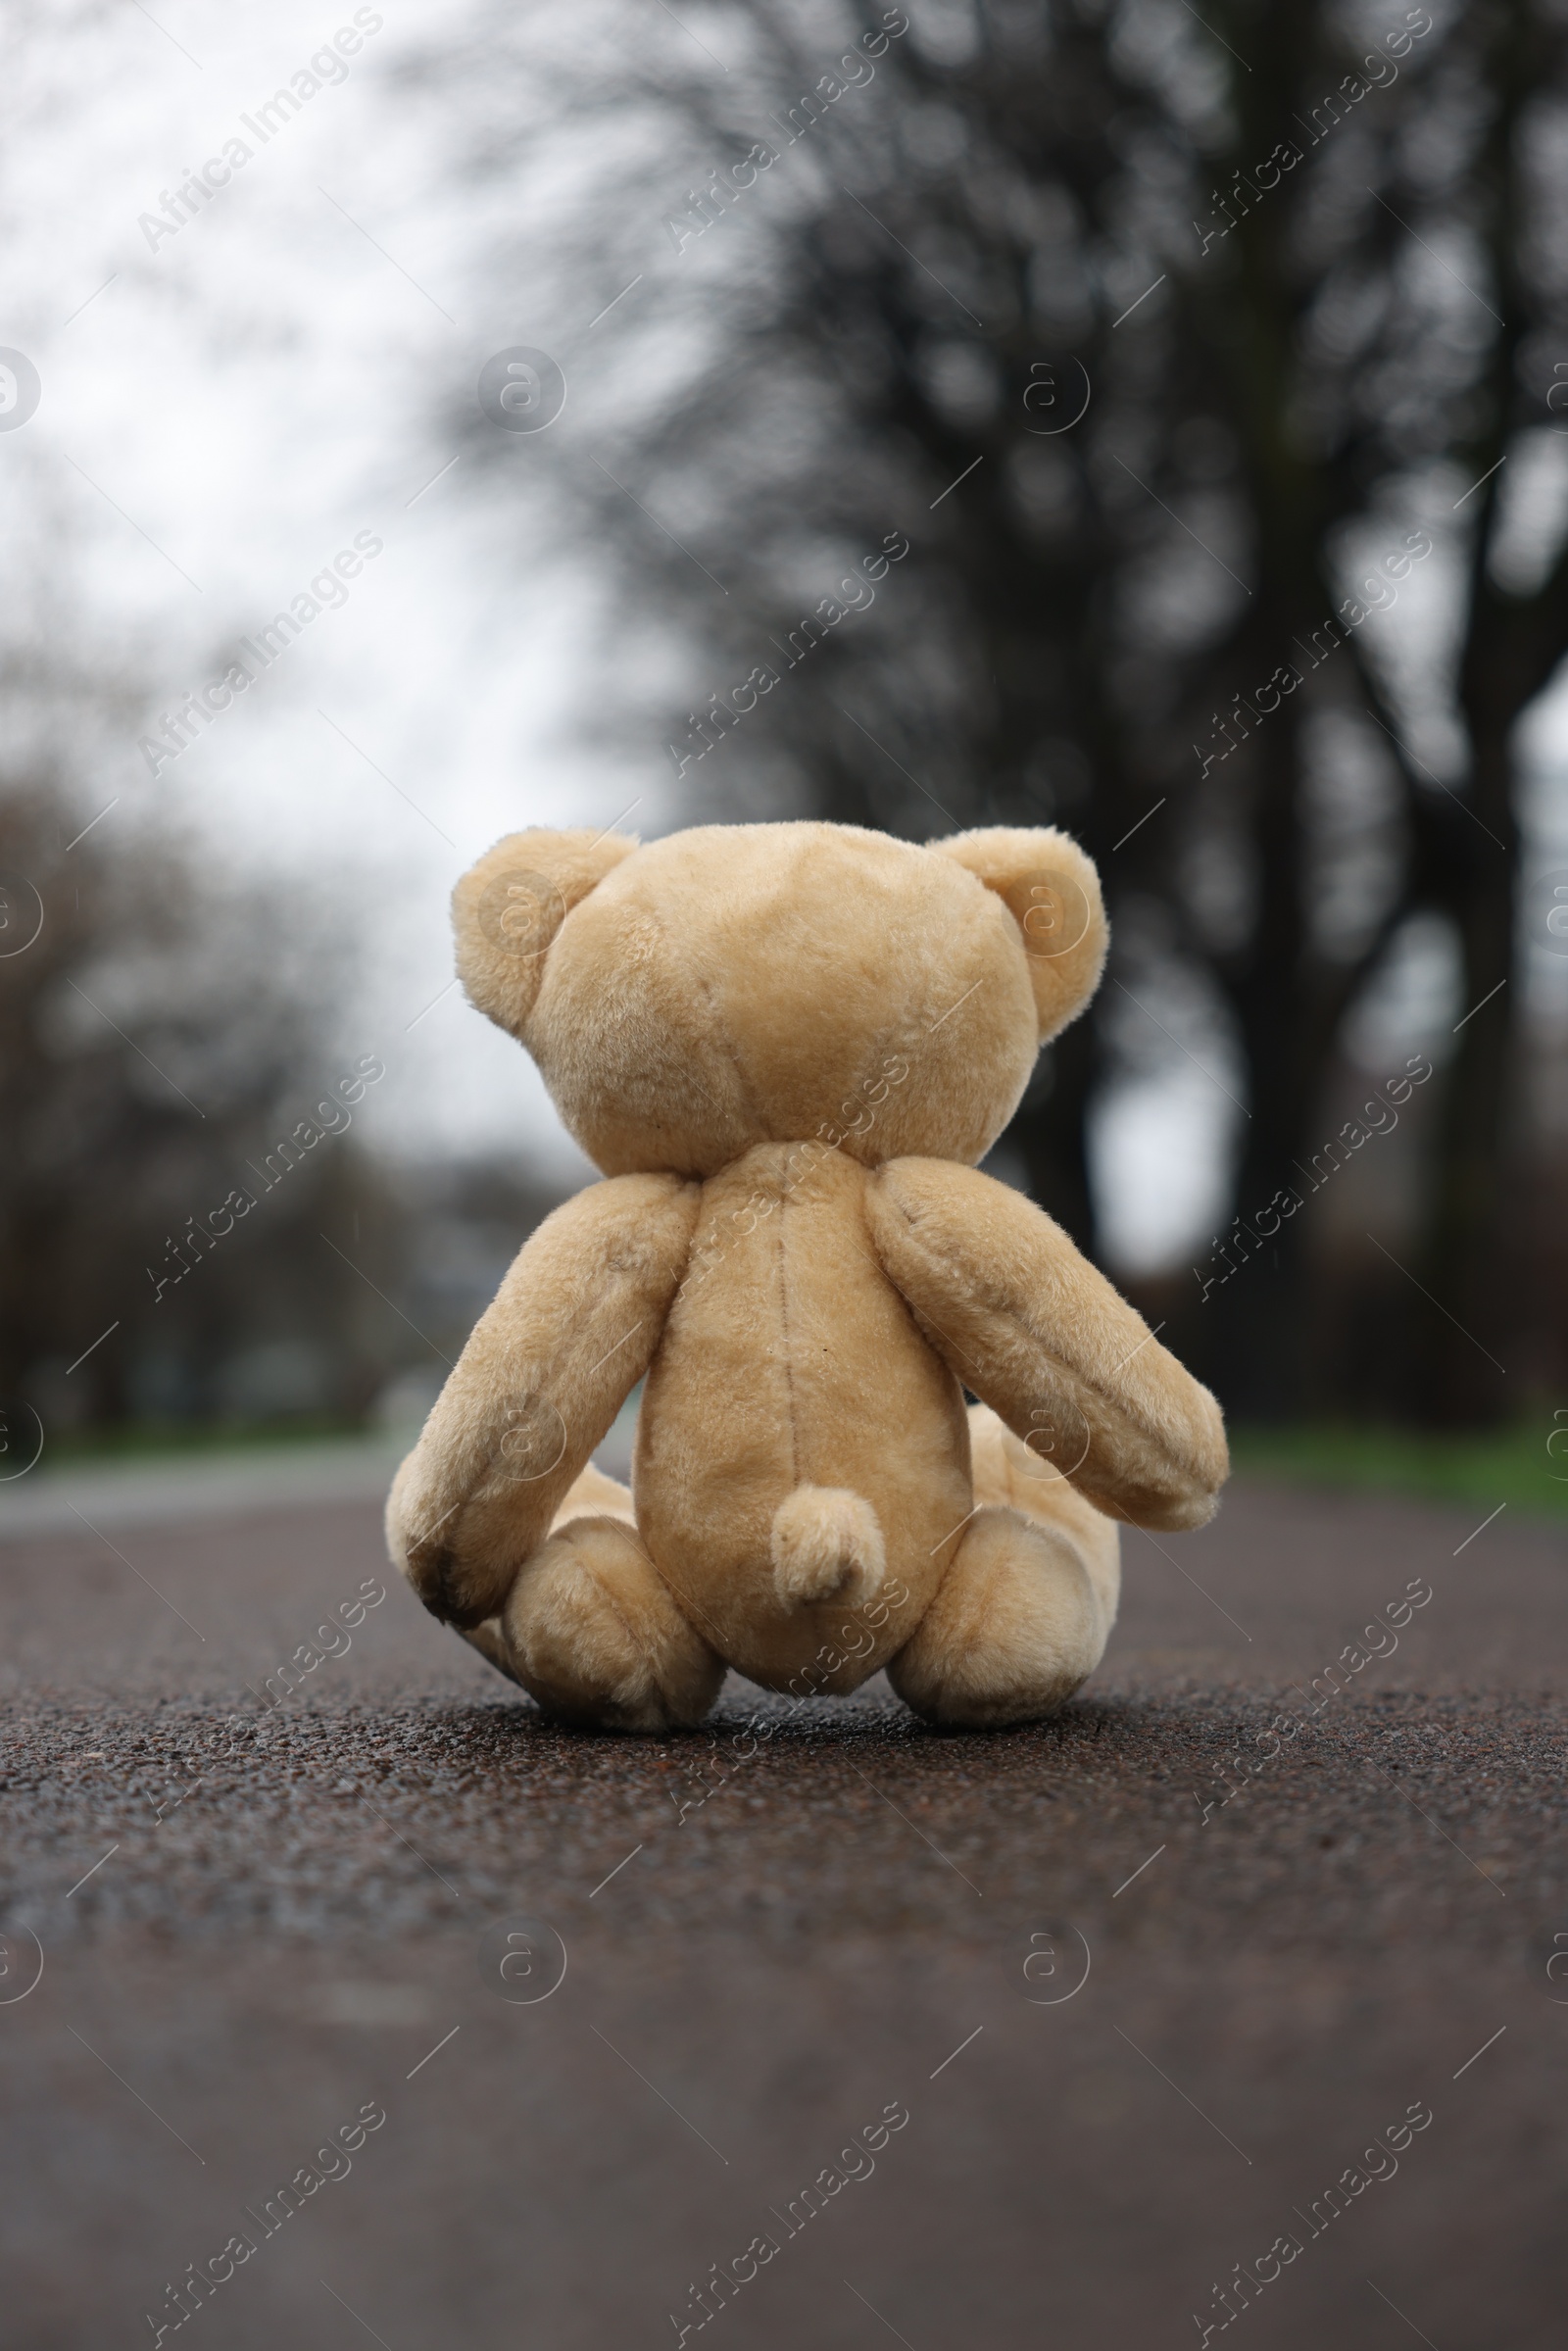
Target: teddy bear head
{"x":733,"y":985}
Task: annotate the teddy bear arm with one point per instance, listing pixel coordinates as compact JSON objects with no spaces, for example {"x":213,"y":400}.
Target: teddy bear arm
{"x":548,"y":1367}
{"x":1037,"y":1333}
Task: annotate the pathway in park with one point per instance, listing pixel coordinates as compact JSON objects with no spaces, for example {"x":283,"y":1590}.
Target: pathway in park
{"x":1158,"y":2017}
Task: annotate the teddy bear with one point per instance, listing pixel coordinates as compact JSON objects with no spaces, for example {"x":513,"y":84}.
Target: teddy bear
{"x":787,"y":1046}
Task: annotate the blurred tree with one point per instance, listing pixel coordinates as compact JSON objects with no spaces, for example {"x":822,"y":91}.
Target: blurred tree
{"x":1390,"y":329}
{"x":162,"y":1052}
{"x":1172,"y":344}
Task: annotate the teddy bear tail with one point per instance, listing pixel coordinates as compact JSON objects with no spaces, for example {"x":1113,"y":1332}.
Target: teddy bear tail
{"x":825,"y":1544}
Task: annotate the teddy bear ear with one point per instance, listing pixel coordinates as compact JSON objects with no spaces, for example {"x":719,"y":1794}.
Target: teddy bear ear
{"x":1051,"y":890}
{"x":506,"y":909}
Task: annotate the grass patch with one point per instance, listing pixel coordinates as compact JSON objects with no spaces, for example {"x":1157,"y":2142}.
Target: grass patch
{"x":171,"y":1440}
{"x":1484,"y":1466}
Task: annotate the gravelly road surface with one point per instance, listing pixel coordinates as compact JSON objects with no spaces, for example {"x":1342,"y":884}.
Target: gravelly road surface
{"x":291,"y":1915}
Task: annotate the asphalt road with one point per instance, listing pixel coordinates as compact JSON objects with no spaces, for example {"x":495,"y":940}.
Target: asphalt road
{"x":1136,"y":2041}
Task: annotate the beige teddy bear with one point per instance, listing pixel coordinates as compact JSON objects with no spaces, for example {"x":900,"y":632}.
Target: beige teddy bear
{"x":787,"y":1046}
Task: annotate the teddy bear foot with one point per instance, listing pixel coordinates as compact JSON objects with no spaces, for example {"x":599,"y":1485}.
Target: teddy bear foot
{"x":592,"y":1631}
{"x":1015,"y":1626}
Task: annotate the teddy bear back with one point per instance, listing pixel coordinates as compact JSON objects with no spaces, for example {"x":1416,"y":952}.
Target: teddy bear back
{"x":689,"y":997}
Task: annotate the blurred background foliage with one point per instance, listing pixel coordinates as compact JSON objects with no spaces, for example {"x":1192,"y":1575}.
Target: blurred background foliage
{"x":1164,"y":338}
{"x":181,"y":1184}
{"x":1212,"y":369}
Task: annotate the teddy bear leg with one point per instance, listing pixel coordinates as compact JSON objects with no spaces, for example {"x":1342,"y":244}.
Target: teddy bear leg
{"x":1016,"y":1624}
{"x":593,"y":1495}
{"x":593,"y":1633}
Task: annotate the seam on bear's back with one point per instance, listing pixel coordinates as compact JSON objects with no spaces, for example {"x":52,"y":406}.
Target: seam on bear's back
{"x":784,"y":1341}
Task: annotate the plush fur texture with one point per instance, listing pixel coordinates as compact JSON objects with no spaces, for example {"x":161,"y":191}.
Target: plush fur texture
{"x":787,"y":1046}
{"x":825,"y":1544}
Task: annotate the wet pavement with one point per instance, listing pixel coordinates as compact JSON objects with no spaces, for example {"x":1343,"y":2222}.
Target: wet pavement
{"x":1221,"y":2002}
